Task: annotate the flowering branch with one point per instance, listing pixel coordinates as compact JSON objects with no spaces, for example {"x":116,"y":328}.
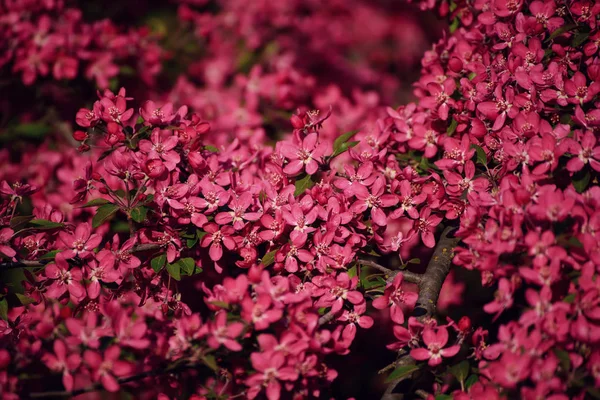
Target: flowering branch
{"x":390,"y":274}
{"x":430,"y":286}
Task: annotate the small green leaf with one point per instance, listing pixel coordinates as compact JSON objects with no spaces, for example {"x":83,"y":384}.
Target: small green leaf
{"x":19,"y":221}
{"x":570,"y":298}
{"x":269,"y":258}
{"x":45,"y":224}
{"x":337,"y":143}
{"x":24,"y":299}
{"x":563,"y":356}
{"x":138,"y":214}
{"x":454,"y":25}
{"x":4,"y":309}
{"x":174,"y":270}
{"x":158,"y":262}
{"x":414,"y":261}
{"x":460,"y":370}
{"x":220,"y":304}
{"x":452,"y":128}
{"x":581,"y":181}
{"x":471,"y":380}
{"x":95,"y":202}
{"x":352,"y":272}
{"x":210,"y":148}
{"x":481,"y":156}
{"x":344,"y":147}
{"x":306,"y":182}
{"x":103,"y":214}
{"x":561,"y":30}
{"x":210,"y":362}
{"x":401,"y":372}
{"x":33,"y":130}
{"x":187,"y":265}
{"x":580,"y":38}
{"x":443,"y":397}
{"x":49,"y":255}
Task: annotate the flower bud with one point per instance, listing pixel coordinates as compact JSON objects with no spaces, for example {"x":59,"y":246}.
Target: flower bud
{"x":80,"y":136}
{"x":464,"y":324}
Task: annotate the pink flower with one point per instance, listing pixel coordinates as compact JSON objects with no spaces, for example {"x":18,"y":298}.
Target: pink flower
{"x":435,"y":340}
{"x":426,"y":226}
{"x":160,"y":146}
{"x":304,"y":156}
{"x":238,"y":214}
{"x":64,"y":279}
{"x":5,"y":247}
{"x":222,"y":333}
{"x":216,"y":237}
{"x":81,"y":243}
{"x":154,"y":115}
{"x":270,"y":367}
{"x":61,"y":362}
{"x":396,"y":299}
{"x":374,"y":200}
{"x":585,"y":151}
{"x":108,"y":368}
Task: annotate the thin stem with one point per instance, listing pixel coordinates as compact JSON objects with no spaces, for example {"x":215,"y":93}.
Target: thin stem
{"x":390,"y":274}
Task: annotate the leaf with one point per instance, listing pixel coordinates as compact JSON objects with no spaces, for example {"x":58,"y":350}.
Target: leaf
{"x":19,"y":221}
{"x":49,"y":255}
{"x":24,"y":299}
{"x":570,"y":298}
{"x":563,"y":356}
{"x":45,"y":224}
{"x":4,"y":309}
{"x":106,"y":154}
{"x":344,"y":147}
{"x":481,"y":156}
{"x":158,"y":262}
{"x":187,"y":265}
{"x":138,"y":214}
{"x":414,"y":261}
{"x":580,"y":183}
{"x":561,"y":30}
{"x":352,"y":272}
{"x":33,"y":130}
{"x":103,"y":214}
{"x":454,"y":25}
{"x":452,"y":128}
{"x":95,"y":202}
{"x":337,"y":143}
{"x":210,"y":148}
{"x":303,"y":184}
{"x":220,"y":304}
{"x":443,"y":397}
{"x":269,"y":258}
{"x":401,"y":372}
{"x":210,"y":362}
{"x":460,"y":370}
{"x":471,"y":381}
{"x":580,"y":38}
{"x":174,"y":270}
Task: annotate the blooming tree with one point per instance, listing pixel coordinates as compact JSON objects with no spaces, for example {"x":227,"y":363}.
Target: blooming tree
{"x":190,"y":253}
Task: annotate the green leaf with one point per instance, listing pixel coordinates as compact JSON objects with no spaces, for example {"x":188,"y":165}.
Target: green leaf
{"x":337,"y":143}
{"x":95,"y":202}
{"x":138,"y":214}
{"x":33,"y":130}
{"x":481,"y":156}
{"x":103,"y":214}
{"x":4,"y":309}
{"x":570,"y":298}
{"x":401,"y":372}
{"x":24,"y":299}
{"x":581,"y":181}
{"x":174,"y":270}
{"x":210,"y":148}
{"x":49,"y":255}
{"x":220,"y":304}
{"x":471,"y":381}
{"x":443,"y":397}
{"x":19,"y":221}
{"x":210,"y":362}
{"x":561,"y":30}
{"x":303,"y":184}
{"x":352,"y":272}
{"x":563,"y":356}
{"x":580,"y":38}
{"x":414,"y":261}
{"x":460,"y":370}
{"x":454,"y":25}
{"x":269,"y":258}
{"x":187,"y":265}
{"x":158,"y":262}
{"x":344,"y":147}
{"x":45,"y":224}
{"x":452,"y":128}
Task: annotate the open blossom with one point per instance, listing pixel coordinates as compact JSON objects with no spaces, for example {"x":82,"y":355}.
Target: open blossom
{"x":154,"y":115}
{"x":80,"y":243}
{"x":107,"y":367}
{"x":5,"y":248}
{"x":435,"y":340}
{"x":60,"y":361}
{"x":270,"y":370}
{"x":305,"y":156}
{"x":397,"y":299}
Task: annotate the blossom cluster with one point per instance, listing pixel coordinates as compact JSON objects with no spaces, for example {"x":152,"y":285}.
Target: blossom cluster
{"x":500,"y":149}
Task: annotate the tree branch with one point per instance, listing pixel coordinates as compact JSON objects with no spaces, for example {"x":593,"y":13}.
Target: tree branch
{"x":32,"y":264}
{"x":429,"y":291}
{"x":390,"y":274}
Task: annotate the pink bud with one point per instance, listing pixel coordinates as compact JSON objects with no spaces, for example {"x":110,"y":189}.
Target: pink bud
{"x":80,"y":136}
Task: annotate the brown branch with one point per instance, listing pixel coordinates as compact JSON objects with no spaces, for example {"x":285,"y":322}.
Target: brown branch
{"x":326,"y":318}
{"x":429,"y":291}
{"x":390,"y":274}
{"x":33,"y":264}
